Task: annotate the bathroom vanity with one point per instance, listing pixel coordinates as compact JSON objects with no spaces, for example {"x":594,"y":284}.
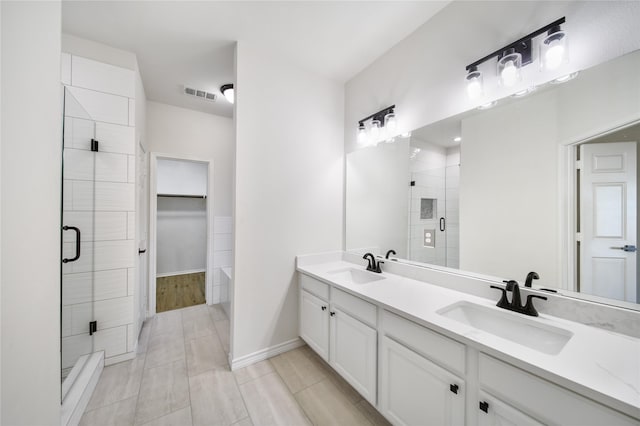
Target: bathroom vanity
{"x":424,"y":353}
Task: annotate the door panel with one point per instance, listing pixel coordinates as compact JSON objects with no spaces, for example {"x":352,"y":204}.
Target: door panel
{"x":354,"y":352}
{"x":415,"y":391}
{"x":314,"y":323}
{"x":500,"y":414}
{"x":608,"y":220}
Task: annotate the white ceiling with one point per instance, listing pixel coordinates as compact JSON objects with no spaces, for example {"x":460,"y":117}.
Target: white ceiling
{"x":192,"y":43}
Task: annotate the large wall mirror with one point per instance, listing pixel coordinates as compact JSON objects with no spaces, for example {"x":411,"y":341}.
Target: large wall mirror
{"x":546,"y":182}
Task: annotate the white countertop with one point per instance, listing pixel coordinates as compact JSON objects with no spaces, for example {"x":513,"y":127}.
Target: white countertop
{"x":596,"y":363}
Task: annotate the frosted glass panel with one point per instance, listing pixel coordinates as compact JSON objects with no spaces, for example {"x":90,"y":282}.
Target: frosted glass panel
{"x":609,"y":210}
{"x":606,"y":273}
{"x":427,"y":208}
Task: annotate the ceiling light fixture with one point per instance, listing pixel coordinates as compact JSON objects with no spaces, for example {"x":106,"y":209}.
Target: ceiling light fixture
{"x":383,"y":126}
{"x":228,"y":92}
{"x":514,"y":56}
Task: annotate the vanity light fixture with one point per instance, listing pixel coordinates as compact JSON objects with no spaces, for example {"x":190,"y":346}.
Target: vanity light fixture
{"x":514,"y":56}
{"x":383,"y":126}
{"x":228,"y":92}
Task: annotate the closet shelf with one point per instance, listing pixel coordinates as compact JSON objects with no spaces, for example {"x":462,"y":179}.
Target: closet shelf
{"x":183,"y":195}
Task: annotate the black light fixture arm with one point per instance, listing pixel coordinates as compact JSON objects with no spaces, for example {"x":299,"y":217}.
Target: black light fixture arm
{"x":378,"y":115}
{"x":518,"y":44}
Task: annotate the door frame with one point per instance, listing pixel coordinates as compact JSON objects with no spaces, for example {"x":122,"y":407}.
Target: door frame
{"x":569,"y":207}
{"x":153,"y":223}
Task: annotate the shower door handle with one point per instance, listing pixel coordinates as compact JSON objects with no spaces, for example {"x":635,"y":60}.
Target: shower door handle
{"x":77,"y":256}
{"x":443,"y":224}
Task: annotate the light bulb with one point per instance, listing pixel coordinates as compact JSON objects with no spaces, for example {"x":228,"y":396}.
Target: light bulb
{"x":362,"y":135}
{"x":474,"y":84}
{"x":374,"y":131}
{"x":509,"y":68}
{"x":554,"y":55}
{"x":457,"y":139}
{"x":553,"y":49}
{"x":390,"y":123}
{"x":509,"y":74}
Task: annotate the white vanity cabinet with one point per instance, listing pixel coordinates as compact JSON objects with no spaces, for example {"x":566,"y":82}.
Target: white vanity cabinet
{"x":343,"y":332}
{"x":543,"y":401}
{"x":314,"y":323}
{"x":413,"y":388}
{"x":494,"y":412}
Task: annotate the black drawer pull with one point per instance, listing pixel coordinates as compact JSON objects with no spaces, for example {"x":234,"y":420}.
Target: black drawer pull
{"x":484,"y":406}
{"x":324,"y":308}
{"x":332,"y":313}
{"x":454,"y":388}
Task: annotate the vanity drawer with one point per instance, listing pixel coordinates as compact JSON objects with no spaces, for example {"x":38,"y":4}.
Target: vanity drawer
{"x":314,"y":286}
{"x":543,"y":400}
{"x":441,"y":349}
{"x":355,"y":306}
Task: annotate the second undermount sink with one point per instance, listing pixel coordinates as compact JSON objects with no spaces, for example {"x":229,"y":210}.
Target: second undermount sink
{"x":355,"y":276}
{"x":513,"y":327}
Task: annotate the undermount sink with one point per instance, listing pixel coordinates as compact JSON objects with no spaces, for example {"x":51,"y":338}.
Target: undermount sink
{"x":355,"y":276}
{"x":513,"y":327}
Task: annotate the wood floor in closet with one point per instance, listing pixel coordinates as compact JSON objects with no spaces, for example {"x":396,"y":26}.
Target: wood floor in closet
{"x":179,"y":291}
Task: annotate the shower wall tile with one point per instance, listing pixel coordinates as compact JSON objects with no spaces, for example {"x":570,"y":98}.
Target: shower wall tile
{"x":132,"y":112}
{"x":81,"y":315}
{"x":97,"y":106}
{"x":113,"y":312}
{"x":78,"y":133}
{"x":74,"y":347}
{"x":66,"y":321}
{"x":115,"y":138}
{"x":100,"y":256}
{"x":131,"y":281}
{"x":95,"y":226}
{"x":112,"y":341}
{"x":131,"y":225}
{"x":78,"y":288}
{"x":89,"y":196}
{"x":102,"y":77}
{"x":131,"y":169}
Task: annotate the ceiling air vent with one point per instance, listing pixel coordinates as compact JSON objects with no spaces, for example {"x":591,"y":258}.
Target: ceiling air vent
{"x":211,"y":97}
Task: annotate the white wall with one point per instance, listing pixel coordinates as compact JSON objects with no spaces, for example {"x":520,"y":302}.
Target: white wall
{"x":31,"y":174}
{"x":423,"y":75}
{"x":181,"y":177}
{"x":183,"y":132}
{"x":511,"y":177}
{"x":181,"y":236}
{"x":288,"y":191}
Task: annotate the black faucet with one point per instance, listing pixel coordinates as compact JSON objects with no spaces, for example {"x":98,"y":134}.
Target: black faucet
{"x":530,"y":277}
{"x":390,"y":252}
{"x":373,"y":265}
{"x":515,"y":305}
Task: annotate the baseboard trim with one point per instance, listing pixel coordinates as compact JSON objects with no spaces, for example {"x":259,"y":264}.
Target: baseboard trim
{"x":171,"y":274}
{"x":266,"y":353}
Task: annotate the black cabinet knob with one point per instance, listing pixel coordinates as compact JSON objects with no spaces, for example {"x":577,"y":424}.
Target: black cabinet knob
{"x":332,"y":313}
{"x":454,"y":388}
{"x":484,"y":406}
{"x":324,"y":308}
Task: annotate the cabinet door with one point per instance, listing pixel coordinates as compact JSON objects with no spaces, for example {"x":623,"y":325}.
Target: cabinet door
{"x":314,"y":323}
{"x":354,"y":352}
{"x":500,"y":414}
{"x":415,"y":391}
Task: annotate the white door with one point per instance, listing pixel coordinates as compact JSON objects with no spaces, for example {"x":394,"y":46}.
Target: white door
{"x":608,"y":220}
{"x":353,"y":352}
{"x":415,"y":391}
{"x":494,"y":412}
{"x":314,"y":323}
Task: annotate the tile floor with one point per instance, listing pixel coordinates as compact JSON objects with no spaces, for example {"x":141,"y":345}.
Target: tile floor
{"x":181,"y":377}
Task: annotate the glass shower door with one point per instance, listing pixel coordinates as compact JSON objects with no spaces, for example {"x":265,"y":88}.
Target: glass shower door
{"x":78,"y":235}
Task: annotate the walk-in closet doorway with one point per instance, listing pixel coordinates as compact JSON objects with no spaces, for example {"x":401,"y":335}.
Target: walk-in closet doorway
{"x":181,"y":232}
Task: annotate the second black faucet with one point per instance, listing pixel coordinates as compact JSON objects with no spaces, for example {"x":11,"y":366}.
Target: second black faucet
{"x":373,"y":265}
